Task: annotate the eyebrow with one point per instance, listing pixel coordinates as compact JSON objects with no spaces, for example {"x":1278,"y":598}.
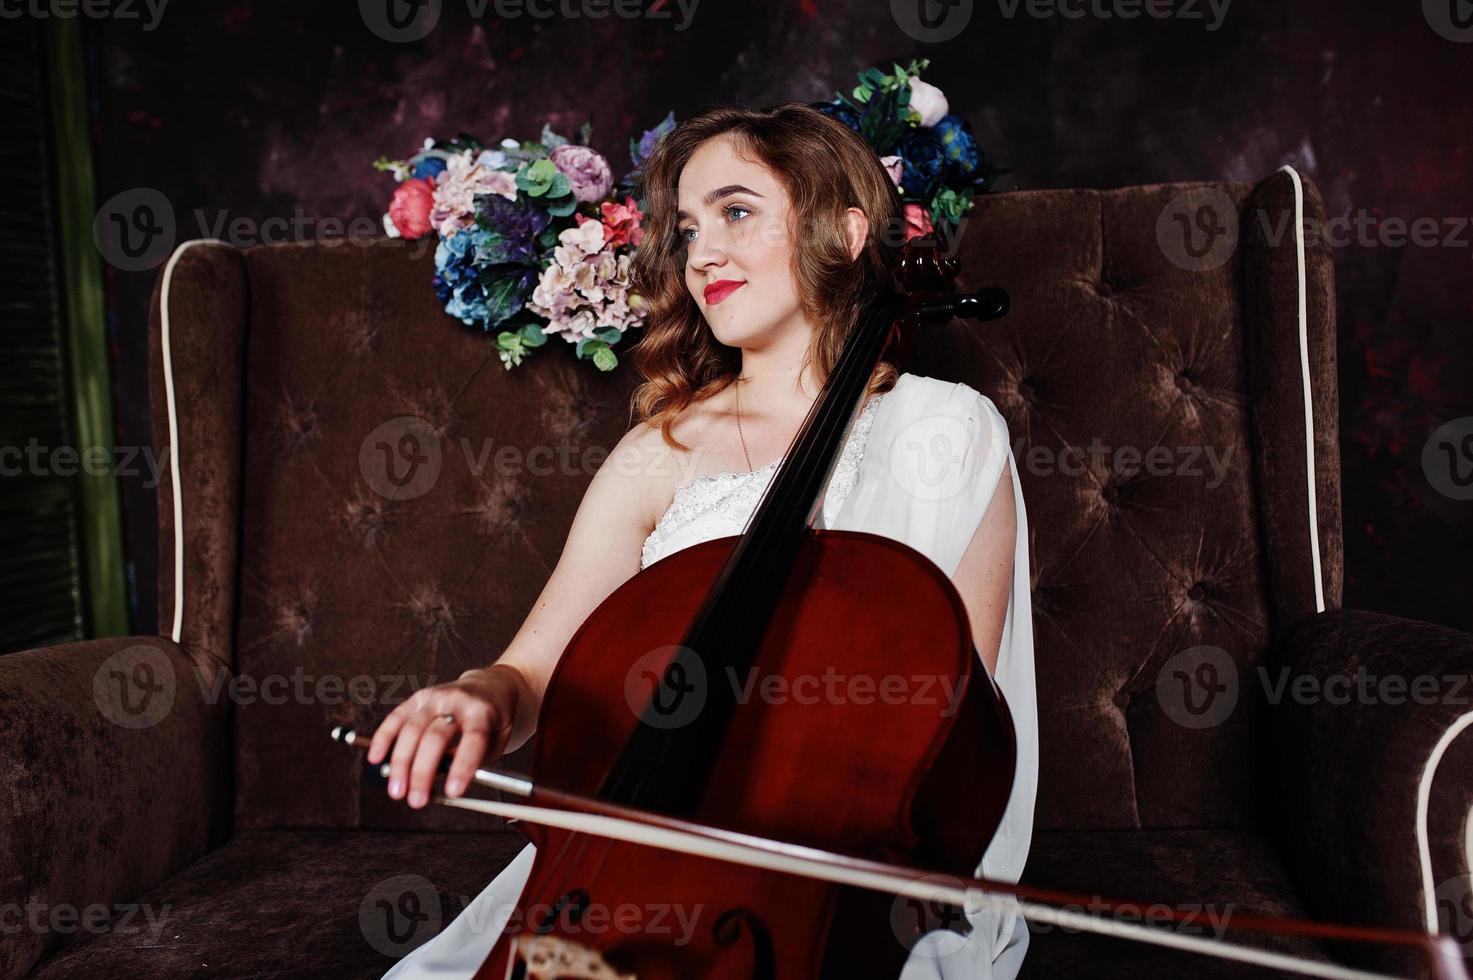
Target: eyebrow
{"x":718,"y":194}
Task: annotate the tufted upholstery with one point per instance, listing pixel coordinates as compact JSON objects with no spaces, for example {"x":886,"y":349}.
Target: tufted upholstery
{"x":331,"y":585}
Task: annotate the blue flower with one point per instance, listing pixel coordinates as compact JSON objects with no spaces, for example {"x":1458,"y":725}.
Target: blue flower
{"x":839,"y":111}
{"x":960,"y":149}
{"x":640,"y":152}
{"x":924,"y":161}
{"x":456,"y":281}
{"x":428,"y":167}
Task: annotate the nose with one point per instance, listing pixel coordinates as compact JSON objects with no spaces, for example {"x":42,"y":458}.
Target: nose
{"x":707,"y":252}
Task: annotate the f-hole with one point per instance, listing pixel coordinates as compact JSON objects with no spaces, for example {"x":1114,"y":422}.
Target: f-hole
{"x":728,"y":931}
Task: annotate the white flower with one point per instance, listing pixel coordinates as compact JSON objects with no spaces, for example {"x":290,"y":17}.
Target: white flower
{"x":390,"y":228}
{"x":895,"y":166}
{"x":927,"y":100}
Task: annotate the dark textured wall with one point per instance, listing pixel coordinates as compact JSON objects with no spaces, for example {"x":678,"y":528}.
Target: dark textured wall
{"x":254,"y":110}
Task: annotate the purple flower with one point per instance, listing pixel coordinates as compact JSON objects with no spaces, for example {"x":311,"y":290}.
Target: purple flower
{"x":586,"y":170}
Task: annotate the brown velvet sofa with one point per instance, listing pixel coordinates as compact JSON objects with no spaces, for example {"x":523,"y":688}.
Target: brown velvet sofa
{"x":210,"y":831}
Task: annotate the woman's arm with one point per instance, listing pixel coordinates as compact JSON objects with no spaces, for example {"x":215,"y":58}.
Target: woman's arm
{"x":985,"y":575}
{"x":496,"y":707}
{"x":601,"y":553}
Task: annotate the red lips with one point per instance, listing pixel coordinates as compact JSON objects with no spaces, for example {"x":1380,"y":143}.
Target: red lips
{"x":722,"y":288}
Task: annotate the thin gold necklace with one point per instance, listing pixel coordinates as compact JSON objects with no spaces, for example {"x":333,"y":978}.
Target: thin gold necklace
{"x":739,"y":426}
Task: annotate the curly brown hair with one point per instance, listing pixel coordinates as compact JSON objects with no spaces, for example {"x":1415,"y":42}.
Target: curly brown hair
{"x":826,"y":168}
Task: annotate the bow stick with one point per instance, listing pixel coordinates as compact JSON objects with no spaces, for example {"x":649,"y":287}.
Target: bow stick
{"x":584,"y":814}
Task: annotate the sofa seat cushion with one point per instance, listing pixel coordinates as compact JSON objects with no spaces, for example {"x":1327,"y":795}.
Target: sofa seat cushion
{"x":295,"y":903}
{"x":1214,"y":874}
{"x":337,"y":903}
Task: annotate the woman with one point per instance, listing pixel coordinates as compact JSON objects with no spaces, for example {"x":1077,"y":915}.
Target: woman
{"x":768,"y":233}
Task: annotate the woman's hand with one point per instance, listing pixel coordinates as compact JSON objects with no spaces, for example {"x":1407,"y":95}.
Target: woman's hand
{"x":484,"y":703}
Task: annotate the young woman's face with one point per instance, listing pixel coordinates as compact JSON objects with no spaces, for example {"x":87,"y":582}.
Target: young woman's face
{"x":734,"y":223}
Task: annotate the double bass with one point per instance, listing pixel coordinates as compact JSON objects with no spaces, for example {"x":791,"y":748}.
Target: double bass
{"x":790,"y":831}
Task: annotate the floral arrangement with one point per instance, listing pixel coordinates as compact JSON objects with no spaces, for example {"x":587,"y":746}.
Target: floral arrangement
{"x":930,"y":153}
{"x":535,"y":238}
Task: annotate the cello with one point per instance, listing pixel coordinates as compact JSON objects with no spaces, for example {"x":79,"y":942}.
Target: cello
{"x":787,"y":828}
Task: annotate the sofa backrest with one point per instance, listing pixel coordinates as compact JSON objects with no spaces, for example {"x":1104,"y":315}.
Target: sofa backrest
{"x":1150,"y":373}
{"x":371,"y":502}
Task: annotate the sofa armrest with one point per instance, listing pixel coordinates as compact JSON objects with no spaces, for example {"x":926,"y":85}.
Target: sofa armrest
{"x":114,"y":774}
{"x":1371,"y":749}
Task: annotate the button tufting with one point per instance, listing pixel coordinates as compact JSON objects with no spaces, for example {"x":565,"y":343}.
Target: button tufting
{"x":1104,"y":288}
{"x":1183,"y":382}
{"x":1109,"y":492}
{"x":1196,"y":592}
{"x":1025,"y":390}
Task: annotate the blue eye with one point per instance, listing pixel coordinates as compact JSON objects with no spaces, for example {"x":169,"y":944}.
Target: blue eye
{"x":684,"y":240}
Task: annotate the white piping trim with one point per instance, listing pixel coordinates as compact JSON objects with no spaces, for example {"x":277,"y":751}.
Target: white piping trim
{"x":177,"y":630}
{"x":1314,"y":523}
{"x":1424,"y":803}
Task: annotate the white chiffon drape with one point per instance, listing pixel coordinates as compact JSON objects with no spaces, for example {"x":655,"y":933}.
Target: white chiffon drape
{"x":922,"y":470}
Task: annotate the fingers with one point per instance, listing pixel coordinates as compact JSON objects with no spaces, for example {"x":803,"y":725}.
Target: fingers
{"x":416,"y":717}
{"x":468,"y":755}
{"x":484,"y":734}
{"x":419,"y":737}
{"x":383,"y":737}
{"x":434,"y":736}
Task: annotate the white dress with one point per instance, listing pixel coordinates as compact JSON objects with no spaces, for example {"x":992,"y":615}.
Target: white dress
{"x":920,"y":465}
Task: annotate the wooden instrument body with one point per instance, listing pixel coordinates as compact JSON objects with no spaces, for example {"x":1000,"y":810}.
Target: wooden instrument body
{"x":866,"y":725}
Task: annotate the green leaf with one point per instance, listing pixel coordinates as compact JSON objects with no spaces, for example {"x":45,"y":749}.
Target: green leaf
{"x":533,"y":336}
{"x":537,"y":177}
{"x":609,"y":335}
{"x":585,"y":132}
{"x":562,"y":207}
{"x":604,"y":359}
{"x":502,"y":301}
{"x":511,"y":349}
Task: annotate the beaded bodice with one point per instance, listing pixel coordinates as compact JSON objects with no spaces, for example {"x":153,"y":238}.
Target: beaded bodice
{"x":720,"y":504}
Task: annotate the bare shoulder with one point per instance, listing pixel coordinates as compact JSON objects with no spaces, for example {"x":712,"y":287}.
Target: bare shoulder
{"x":651,"y":467}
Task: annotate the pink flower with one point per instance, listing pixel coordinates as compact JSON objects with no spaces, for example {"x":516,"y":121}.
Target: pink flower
{"x":621,"y":222}
{"x":456,"y":189}
{"x":409,"y":209}
{"x":586,"y":170}
{"x":917,"y":222}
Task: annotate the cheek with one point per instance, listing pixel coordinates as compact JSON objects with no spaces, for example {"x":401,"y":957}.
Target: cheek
{"x":769,"y":257}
